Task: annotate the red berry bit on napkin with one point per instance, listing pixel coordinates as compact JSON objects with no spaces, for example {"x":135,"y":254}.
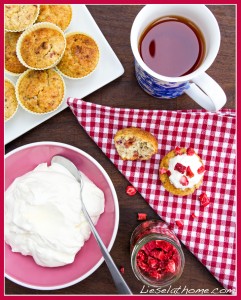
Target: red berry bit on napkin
{"x":193,"y":216}
{"x":157,"y":259}
{"x":179,"y":223}
{"x":204,"y":199}
{"x":130,"y":190}
{"x":141,"y":216}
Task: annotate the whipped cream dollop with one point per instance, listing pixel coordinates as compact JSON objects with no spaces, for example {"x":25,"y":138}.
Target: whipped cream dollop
{"x":193,"y":161}
{"x":43,"y":216}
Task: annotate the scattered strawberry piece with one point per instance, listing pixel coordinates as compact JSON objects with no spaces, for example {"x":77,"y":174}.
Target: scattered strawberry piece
{"x":190,"y":151}
{"x":122,"y":270}
{"x":180,"y":168}
{"x":193,"y":216}
{"x":201,"y":169}
{"x":130,"y":190}
{"x":177,"y":150}
{"x":179,"y":223}
{"x":163,"y":171}
{"x":184,"y":181}
{"x":141,"y":216}
{"x":169,"y":173}
{"x":171,"y":266}
{"x":204,"y":199}
{"x":189,"y":172}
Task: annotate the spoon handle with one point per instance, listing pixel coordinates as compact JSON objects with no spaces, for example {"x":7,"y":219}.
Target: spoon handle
{"x":120,"y":283}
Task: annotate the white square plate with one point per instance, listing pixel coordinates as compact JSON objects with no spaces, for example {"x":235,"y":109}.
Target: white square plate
{"x":108,"y":69}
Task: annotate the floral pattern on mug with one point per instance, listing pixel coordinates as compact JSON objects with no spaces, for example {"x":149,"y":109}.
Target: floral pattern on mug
{"x":159,"y":88}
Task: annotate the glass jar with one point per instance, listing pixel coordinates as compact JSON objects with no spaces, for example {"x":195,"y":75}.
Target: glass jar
{"x":157,"y":258}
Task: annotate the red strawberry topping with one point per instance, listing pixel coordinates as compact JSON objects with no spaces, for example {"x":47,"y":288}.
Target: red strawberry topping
{"x":184,"y":181}
{"x":130,"y":190}
{"x":141,"y":216}
{"x":190,"y":151}
{"x":179,"y":223}
{"x":163,"y":171}
{"x":204,"y":199}
{"x":169,"y":173}
{"x":189,"y":172}
{"x":201,"y":169}
{"x":180,"y":168}
{"x":177,"y":150}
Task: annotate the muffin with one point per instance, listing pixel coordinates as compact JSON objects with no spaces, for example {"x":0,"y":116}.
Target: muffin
{"x":12,"y":63}
{"x":41,"y":46}
{"x":40,"y":91}
{"x":181,"y":171}
{"x":81,"y":56}
{"x":19,"y":17}
{"x":60,"y":15}
{"x":135,"y":144}
{"x":10,"y":101}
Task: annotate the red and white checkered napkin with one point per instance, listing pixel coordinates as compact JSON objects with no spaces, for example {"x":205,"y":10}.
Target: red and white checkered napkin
{"x":210,"y":236}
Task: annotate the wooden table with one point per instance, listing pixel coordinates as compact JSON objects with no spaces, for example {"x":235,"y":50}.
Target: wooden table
{"x":115,"y":23}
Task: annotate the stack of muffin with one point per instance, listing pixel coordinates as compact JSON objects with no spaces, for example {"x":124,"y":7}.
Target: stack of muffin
{"x":37,"y":49}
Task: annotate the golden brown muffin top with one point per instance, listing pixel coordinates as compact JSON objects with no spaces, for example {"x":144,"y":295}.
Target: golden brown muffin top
{"x":41,"y":91}
{"x":42,"y":47}
{"x":12,"y":63}
{"x":81,"y":56}
{"x":10,"y":101}
{"x":19,"y":17}
{"x":60,"y":15}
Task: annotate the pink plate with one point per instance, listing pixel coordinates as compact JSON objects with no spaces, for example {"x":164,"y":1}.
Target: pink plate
{"x":22,"y":269}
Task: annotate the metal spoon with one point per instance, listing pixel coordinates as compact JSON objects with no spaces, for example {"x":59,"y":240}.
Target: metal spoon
{"x":120,"y":283}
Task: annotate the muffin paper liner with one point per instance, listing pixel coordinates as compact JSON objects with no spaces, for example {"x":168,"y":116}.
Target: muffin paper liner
{"x":28,"y":110}
{"x":32,"y":29}
{"x":78,"y":78}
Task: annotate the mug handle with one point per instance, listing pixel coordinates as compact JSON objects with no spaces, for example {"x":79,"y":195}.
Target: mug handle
{"x":207,"y":93}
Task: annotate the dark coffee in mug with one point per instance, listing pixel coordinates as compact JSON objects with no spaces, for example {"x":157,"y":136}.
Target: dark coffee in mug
{"x":172,"y":46}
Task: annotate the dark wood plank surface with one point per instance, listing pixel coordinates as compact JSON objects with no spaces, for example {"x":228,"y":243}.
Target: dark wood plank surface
{"x":115,"y":23}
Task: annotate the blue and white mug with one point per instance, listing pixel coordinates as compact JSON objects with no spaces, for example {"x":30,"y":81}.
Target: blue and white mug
{"x":198,"y":84}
